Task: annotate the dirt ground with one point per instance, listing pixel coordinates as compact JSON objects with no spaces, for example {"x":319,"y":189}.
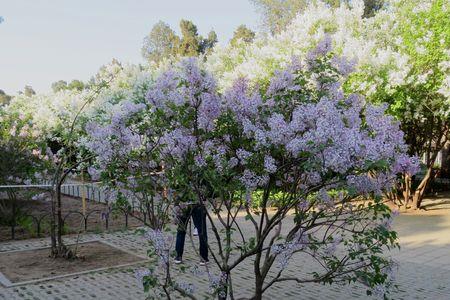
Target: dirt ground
{"x":28,"y":265}
{"x":71,"y":211}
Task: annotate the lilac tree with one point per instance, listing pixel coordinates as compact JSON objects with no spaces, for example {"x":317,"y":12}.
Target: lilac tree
{"x":127,"y":161}
{"x":66,"y":161}
{"x":20,"y":159}
{"x":319,"y":157}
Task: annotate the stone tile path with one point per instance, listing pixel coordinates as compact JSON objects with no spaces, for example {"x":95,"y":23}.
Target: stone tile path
{"x":424,"y":271}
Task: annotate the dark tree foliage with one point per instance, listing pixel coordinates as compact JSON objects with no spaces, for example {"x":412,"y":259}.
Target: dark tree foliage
{"x":243,"y":33}
{"x":372,"y":6}
{"x":162,"y":42}
{"x":62,"y":85}
{"x":76,"y":85}
{"x":190,"y":40}
{"x":28,"y":91}
{"x":4,"y":98}
{"x":208,"y":43}
{"x":59,"y":85}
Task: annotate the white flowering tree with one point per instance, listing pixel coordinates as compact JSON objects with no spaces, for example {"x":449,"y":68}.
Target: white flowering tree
{"x":400,"y":57}
{"x":60,"y":117}
{"x":259,"y":60}
{"x":415,"y":40}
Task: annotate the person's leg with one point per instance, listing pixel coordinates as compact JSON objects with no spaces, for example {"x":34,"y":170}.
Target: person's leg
{"x":199,"y":218}
{"x":183,"y":219}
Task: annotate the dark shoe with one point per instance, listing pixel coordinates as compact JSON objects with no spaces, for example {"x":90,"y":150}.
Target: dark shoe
{"x":178,"y":260}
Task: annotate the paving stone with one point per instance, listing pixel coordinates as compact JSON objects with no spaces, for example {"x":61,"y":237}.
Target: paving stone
{"x":423,"y":274}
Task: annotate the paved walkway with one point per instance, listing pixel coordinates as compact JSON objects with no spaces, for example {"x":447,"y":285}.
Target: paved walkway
{"x":424,"y":271}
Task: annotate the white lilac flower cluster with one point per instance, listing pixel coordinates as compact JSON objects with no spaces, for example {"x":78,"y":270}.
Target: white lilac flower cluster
{"x":54,"y":111}
{"x":374,"y":47}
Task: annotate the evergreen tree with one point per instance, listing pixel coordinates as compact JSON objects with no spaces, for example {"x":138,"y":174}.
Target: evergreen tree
{"x":4,"y":98}
{"x":242,"y":33}
{"x":76,"y":85}
{"x":190,"y":44}
{"x":208,"y":44}
{"x":59,"y":85}
{"x":28,"y":91}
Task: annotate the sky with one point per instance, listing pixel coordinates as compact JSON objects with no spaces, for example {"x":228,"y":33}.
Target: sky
{"x":43,"y":41}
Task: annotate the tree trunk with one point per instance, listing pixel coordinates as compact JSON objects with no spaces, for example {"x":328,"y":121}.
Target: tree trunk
{"x":60,"y":220}
{"x":53,"y":225}
{"x":223,"y":293}
{"x":407,"y":190}
{"x":13,"y":218}
{"x":58,"y":247}
{"x":445,"y":168}
{"x":259,"y":280}
{"x":258,"y":288}
{"x":418,"y":194}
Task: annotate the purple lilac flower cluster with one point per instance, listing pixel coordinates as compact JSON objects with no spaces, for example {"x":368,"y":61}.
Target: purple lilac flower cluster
{"x":141,"y":273}
{"x":161,"y":243}
{"x":284,"y":251}
{"x":188,"y":288}
{"x":116,"y":139}
{"x":406,"y":164}
{"x":338,"y":133}
{"x":217,"y":283}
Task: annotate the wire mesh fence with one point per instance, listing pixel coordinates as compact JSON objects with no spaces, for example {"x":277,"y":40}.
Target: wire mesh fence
{"x":25,"y":210}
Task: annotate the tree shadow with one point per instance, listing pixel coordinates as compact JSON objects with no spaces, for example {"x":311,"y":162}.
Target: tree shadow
{"x":409,"y":225}
{"x":437,"y":205}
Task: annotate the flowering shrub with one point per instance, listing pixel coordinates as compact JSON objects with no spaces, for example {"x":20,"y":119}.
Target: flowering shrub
{"x":60,"y":118}
{"x":258,"y":61}
{"x":414,"y":37}
{"x":21,"y":149}
{"x":324,"y":155}
{"x":128,"y":163}
{"x":52,"y":113}
{"x":400,"y":57}
{"x":21,"y":157}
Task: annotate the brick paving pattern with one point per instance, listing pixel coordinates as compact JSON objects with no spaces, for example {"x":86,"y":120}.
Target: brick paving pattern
{"x":424,"y":269}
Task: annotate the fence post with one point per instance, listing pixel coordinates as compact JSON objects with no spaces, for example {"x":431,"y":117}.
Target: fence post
{"x":13,"y":220}
{"x":38,"y":229}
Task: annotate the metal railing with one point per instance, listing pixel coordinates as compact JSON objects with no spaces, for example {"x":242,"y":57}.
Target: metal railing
{"x":40,"y":218}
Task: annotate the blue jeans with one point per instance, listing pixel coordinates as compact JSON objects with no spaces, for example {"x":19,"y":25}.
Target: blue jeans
{"x":198,"y":214}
